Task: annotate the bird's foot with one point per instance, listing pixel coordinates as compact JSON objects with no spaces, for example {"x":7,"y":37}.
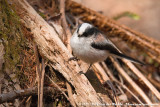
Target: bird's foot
{"x":81,"y":72}
{"x":73,"y":58}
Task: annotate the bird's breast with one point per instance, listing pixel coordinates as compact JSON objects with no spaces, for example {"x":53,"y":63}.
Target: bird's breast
{"x":82,"y":49}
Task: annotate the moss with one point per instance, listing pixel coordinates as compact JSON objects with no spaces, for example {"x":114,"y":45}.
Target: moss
{"x":10,"y":34}
{"x":12,"y":39}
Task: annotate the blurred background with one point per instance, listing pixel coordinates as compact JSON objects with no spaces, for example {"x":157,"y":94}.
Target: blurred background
{"x":147,"y":20}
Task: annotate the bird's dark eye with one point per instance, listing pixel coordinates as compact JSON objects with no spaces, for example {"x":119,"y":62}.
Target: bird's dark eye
{"x":85,"y":34}
{"x":90,"y":31}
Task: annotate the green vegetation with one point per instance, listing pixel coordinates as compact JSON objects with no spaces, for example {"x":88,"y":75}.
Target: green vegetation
{"x":127,"y":14}
{"x":10,"y":35}
{"x":12,"y":38}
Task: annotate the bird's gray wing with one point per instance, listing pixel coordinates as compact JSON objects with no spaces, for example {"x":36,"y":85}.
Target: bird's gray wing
{"x":102,"y":43}
{"x":105,"y":46}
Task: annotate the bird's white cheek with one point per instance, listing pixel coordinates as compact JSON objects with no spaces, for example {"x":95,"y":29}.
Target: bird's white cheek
{"x":74,"y":42}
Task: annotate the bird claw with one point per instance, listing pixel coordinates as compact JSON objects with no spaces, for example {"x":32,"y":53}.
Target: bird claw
{"x":81,"y":72}
{"x":73,"y":58}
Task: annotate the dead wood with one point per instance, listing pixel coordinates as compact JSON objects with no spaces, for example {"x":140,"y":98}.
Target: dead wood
{"x":51,"y":47}
{"x":10,"y":96}
{"x":132,"y":83}
{"x":64,"y":24}
{"x":58,"y":87}
{"x":142,"y":77}
{"x":121,"y":84}
{"x":40,"y":69}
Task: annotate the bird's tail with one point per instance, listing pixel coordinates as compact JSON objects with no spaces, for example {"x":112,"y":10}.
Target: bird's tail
{"x":128,"y":58}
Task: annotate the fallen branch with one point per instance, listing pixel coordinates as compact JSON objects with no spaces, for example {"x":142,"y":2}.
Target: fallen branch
{"x":57,"y":87}
{"x":64,"y":24}
{"x":132,"y":83}
{"x":104,"y":79}
{"x":121,"y":84}
{"x":142,"y":77}
{"x":40,"y":69}
{"x":100,"y":70}
{"x":10,"y":96}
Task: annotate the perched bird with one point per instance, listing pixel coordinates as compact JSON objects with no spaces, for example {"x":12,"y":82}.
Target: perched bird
{"x":91,"y":45}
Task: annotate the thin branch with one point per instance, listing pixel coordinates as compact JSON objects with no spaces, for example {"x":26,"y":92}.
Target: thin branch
{"x":107,"y":71}
{"x":156,"y":83}
{"x":103,"y":77}
{"x":42,"y":82}
{"x":39,"y":75}
{"x":40,"y":71}
{"x":142,"y":77}
{"x":37,"y":58}
{"x":10,"y":96}
{"x":121,"y":84}
{"x":132,"y":83}
{"x":58,"y":88}
{"x":64,"y":24}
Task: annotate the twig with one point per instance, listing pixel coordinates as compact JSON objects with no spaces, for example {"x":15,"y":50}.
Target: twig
{"x":156,"y":83}
{"x":70,"y":94}
{"x":23,"y":93}
{"x":42,"y":81}
{"x":69,"y":21}
{"x":108,"y":71}
{"x":103,"y":77}
{"x":133,"y":84}
{"x":142,"y":77}
{"x":59,"y":89}
{"x":40,"y":71}
{"x":122,"y":85}
{"x":37,"y":58}
{"x":64,"y":24}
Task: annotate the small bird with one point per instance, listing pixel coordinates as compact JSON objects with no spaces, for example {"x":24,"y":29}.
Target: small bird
{"x":91,"y":45}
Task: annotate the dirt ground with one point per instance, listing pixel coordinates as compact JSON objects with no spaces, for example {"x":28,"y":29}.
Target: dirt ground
{"x":148,"y":10}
